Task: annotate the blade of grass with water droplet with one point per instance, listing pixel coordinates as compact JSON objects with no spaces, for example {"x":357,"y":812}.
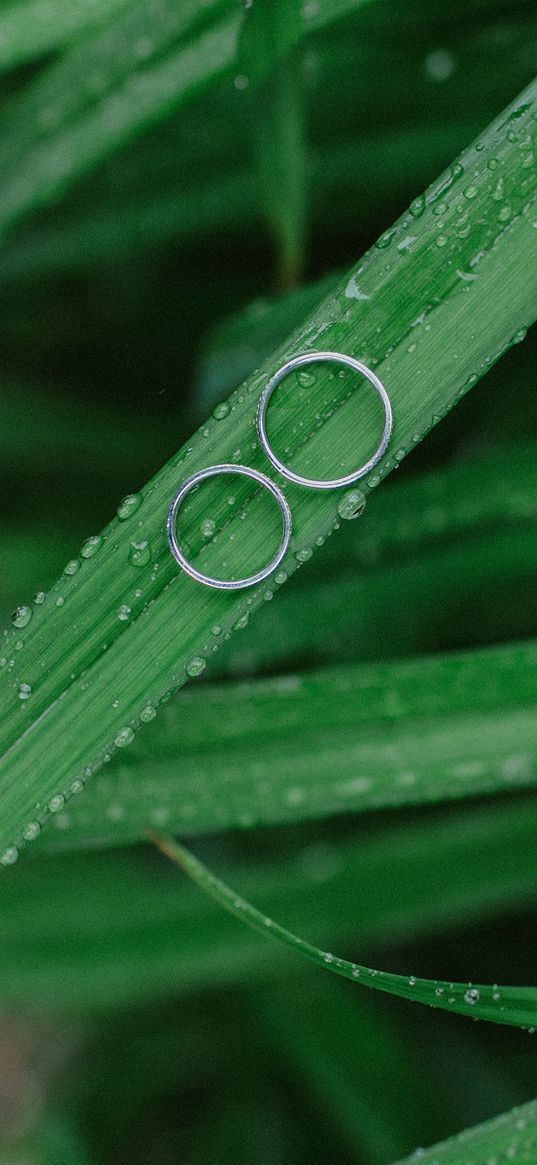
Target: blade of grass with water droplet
{"x":295,"y":748}
{"x":109,"y":639}
{"x":107,"y":928}
{"x":515,"y":1006}
{"x":511,"y":1136}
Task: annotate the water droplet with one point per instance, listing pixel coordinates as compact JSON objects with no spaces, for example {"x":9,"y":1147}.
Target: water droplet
{"x":519,"y":336}
{"x":77,"y":786}
{"x":25,"y":691}
{"x":221,"y":410}
{"x":71,"y":567}
{"x":148,"y":713}
{"x":417,"y":206}
{"x":9,"y":856}
{"x":140,"y":553}
{"x":412,"y":980}
{"x":208,"y":527}
{"x":56,"y":803}
{"x":129,"y":506}
{"x":32,"y":830}
{"x":39,"y":598}
{"x":470,"y":192}
{"x":505,"y":213}
{"x":91,"y":546}
{"x":241,"y":623}
{"x":471,"y":996}
{"x":441,"y":240}
{"x":352,"y":504}
{"x":196,"y":666}
{"x":280,"y":577}
{"x":328,"y":958}
{"x":356,"y":971}
{"x":60,"y":601}
{"x":305,"y":554}
{"x":440,"y":208}
{"x":21,"y":617}
{"x":241,"y":81}
{"x":123,"y":612}
{"x":306,"y":379}
{"x":385,"y":240}
{"x":125,"y":736}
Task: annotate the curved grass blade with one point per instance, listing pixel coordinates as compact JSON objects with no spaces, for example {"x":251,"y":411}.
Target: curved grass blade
{"x":108,"y":928}
{"x":515,"y":1006}
{"x":295,"y":748}
{"x":111,"y":642}
{"x":511,"y":1136}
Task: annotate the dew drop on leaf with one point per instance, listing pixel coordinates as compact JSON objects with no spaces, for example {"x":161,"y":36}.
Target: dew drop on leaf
{"x":124,"y":737}
{"x":148,"y":713}
{"x":91,"y":546}
{"x":140,"y":553}
{"x":129,"y":506}
{"x":21,"y":616}
{"x":221,"y":410}
{"x":352,"y":504}
{"x":195,"y":666}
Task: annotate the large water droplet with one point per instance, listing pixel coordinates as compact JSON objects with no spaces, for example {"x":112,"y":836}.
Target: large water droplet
{"x":129,"y":506}
{"x":208,"y":527}
{"x":352,"y":504}
{"x":31,"y":831}
{"x":91,"y":546}
{"x":21,"y":617}
{"x":471,"y":996}
{"x":125,"y":736}
{"x":9,"y":856}
{"x":417,"y":206}
{"x":123,"y":612}
{"x":195,"y":666}
{"x":220,"y":411}
{"x":56,"y":803}
{"x":25,"y":691}
{"x":71,"y":567}
{"x":148,"y":713}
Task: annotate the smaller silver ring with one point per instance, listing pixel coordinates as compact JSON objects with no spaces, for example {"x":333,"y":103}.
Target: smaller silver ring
{"x":221,"y":583}
{"x":311,"y":358}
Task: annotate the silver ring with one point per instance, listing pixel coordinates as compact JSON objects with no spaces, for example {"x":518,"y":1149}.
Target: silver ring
{"x":228,"y":584}
{"x":311,"y":358}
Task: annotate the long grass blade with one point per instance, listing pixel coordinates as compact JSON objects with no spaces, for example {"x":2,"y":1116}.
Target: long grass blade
{"x":293,"y":748}
{"x":447,"y":292}
{"x":110,"y":928}
{"x":515,"y":1006}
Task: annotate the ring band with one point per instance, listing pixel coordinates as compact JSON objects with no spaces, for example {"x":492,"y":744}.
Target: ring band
{"x":311,"y":358}
{"x":228,"y":584}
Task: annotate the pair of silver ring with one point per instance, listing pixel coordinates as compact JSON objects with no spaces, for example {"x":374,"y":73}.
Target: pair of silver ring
{"x":263,"y":480}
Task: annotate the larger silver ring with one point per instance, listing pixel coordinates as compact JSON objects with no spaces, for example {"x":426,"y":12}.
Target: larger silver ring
{"x":311,"y":358}
{"x":221,"y":583}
